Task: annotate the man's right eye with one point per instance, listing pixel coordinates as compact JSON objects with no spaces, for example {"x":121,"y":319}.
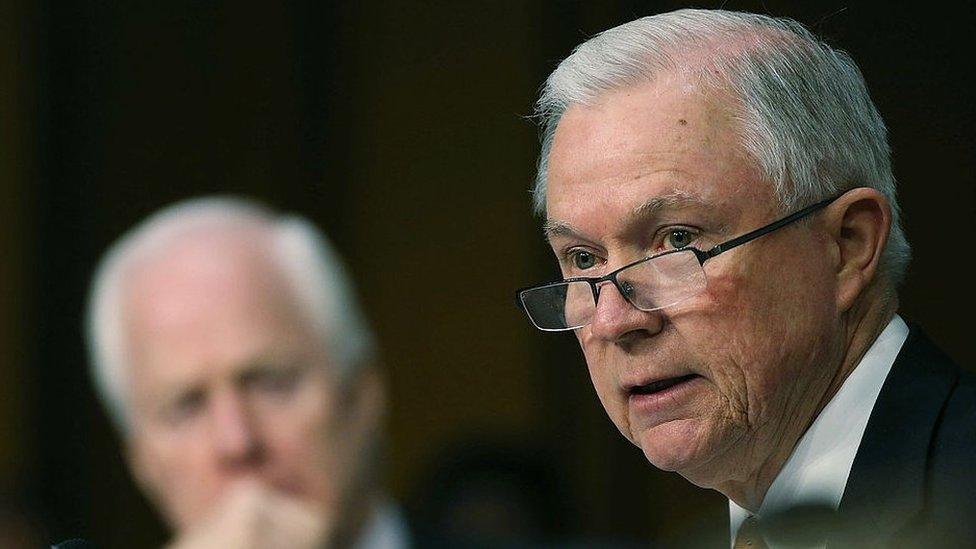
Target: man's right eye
{"x":583,"y":260}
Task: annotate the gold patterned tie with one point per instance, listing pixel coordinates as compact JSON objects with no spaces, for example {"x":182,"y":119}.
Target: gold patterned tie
{"x":748,"y":536}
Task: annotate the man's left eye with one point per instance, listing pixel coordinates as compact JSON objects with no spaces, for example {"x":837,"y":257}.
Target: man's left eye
{"x":680,"y":238}
{"x":584,"y":260}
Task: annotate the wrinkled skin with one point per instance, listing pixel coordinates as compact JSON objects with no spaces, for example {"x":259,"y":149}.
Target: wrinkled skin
{"x":765,"y":337}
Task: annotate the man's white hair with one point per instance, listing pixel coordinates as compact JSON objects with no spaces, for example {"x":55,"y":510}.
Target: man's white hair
{"x":302,"y":254}
{"x":803,"y":108}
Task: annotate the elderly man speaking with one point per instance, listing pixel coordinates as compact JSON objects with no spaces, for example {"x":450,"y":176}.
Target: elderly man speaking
{"x":231,"y":354}
{"x":718,"y":192}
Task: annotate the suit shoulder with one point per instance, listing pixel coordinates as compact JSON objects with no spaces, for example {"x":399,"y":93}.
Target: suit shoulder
{"x":957,"y":425}
{"x":952,"y":471}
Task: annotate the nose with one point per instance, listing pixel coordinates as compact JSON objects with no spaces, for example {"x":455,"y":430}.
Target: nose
{"x":617,"y":320}
{"x":236,"y":441}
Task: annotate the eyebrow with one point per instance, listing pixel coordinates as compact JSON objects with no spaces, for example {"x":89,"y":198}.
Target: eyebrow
{"x":648,"y":209}
{"x":674,"y":200}
{"x":553,"y":228}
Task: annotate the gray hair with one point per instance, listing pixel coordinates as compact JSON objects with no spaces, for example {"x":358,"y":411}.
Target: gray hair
{"x":303,"y":255}
{"x":805,"y":114}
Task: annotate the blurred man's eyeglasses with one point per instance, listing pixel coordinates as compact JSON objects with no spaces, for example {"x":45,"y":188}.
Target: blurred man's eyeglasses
{"x":649,"y":284}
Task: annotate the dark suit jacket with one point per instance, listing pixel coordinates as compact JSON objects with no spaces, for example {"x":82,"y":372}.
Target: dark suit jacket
{"x":913,"y":481}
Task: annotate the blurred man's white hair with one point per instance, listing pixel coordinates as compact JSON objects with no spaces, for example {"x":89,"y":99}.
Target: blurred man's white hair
{"x":804,"y":112}
{"x":302,"y":254}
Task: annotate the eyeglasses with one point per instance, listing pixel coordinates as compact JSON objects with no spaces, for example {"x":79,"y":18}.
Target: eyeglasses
{"x":649,"y":284}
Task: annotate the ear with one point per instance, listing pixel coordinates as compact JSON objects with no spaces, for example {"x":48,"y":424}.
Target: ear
{"x":858,"y":224}
{"x":365,"y":402}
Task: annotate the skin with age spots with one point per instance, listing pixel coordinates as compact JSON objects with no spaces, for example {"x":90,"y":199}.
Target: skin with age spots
{"x":753,"y":339}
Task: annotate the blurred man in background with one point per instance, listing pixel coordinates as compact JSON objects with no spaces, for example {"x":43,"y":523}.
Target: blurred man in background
{"x":718,"y":192}
{"x":229,"y":351}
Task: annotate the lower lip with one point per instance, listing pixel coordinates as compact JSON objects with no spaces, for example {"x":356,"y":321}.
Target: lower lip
{"x":661,"y":400}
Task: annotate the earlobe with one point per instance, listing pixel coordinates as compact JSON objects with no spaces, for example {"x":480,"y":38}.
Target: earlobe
{"x":859,"y":224}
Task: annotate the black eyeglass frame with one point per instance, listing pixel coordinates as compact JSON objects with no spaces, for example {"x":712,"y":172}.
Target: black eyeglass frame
{"x":702,"y":257}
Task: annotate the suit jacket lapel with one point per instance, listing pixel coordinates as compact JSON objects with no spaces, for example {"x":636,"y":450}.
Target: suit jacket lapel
{"x":886,"y":486}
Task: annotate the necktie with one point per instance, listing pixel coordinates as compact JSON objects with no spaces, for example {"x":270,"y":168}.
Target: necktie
{"x":748,"y":536}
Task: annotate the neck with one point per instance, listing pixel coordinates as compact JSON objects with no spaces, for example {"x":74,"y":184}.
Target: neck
{"x":860,"y":327}
{"x":863,"y":324}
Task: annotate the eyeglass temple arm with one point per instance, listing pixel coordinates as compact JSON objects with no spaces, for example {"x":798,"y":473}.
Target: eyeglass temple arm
{"x":752,"y":235}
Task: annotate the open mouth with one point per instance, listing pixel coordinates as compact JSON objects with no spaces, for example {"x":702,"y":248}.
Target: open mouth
{"x":660,"y":385}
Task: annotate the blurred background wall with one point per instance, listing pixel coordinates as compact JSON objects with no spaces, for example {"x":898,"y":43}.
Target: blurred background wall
{"x":401,"y":129}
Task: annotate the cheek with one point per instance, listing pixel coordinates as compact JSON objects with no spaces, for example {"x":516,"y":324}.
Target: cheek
{"x":757,"y":327}
{"x":594,"y":353}
{"x":184,"y":476}
{"x":598,"y":365}
{"x":713,"y":329}
{"x":598,"y":368}
{"x":303,"y":443}
{"x":299,"y":431}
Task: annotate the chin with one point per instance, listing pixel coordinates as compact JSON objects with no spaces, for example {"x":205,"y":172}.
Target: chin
{"x":673,"y":446}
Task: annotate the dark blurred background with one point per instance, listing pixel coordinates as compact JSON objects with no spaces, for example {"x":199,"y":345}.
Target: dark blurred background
{"x":401,"y":129}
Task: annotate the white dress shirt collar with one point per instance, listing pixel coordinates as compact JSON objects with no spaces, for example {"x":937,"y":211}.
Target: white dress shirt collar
{"x":817,"y":470}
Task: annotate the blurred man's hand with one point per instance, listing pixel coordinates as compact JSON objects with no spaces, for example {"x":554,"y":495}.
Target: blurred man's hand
{"x":253,"y":516}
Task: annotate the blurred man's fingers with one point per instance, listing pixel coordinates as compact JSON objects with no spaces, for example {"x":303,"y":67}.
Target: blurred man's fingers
{"x":253,"y":516}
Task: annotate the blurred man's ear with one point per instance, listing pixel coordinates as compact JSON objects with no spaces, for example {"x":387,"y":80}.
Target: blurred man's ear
{"x":858,"y":224}
{"x":358,"y":428}
{"x":366,"y":399}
